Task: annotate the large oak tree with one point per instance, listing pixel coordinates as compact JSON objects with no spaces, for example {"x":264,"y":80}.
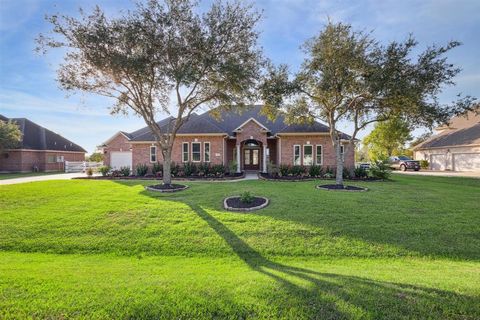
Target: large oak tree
{"x":158,"y":56}
{"x":348,"y":76}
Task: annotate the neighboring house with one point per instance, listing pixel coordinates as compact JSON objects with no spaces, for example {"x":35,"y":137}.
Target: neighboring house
{"x":455,"y":146}
{"x":39,"y":150}
{"x":247,"y":138}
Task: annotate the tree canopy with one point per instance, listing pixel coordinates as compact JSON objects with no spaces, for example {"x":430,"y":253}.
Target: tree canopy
{"x":164,"y":57}
{"x":10,"y":135}
{"x":388,"y":138}
{"x":348,"y":76}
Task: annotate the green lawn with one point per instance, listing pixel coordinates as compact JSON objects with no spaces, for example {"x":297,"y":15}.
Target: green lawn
{"x":4,"y":176}
{"x":409,"y":248}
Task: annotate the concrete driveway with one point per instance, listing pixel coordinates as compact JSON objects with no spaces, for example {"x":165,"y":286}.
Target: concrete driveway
{"x":465,"y":174}
{"x":60,"y":176}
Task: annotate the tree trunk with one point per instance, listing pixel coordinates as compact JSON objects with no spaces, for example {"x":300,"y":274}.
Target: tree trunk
{"x":339,"y":160}
{"x":167,"y":164}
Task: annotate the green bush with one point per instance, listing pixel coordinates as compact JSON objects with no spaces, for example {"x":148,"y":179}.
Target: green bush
{"x":347,"y":173}
{"x":125,"y":171}
{"x":297,"y":171}
{"x":272,"y":169}
{"x":141,"y":170}
{"x":315,"y":171}
{"x":360,"y":172}
{"x":232,"y":167}
{"x":89,"y":172}
{"x":204,"y":169}
{"x":104,"y":170}
{"x":218,"y":170}
{"x":189,"y":169}
{"x":174,"y":168}
{"x":329,"y":173}
{"x":284,"y":170}
{"x":246,"y":197}
{"x":424,"y":164}
{"x":157,"y":168}
{"x":380,"y":169}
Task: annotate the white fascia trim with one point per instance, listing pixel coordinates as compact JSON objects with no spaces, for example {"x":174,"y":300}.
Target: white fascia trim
{"x":254,"y":120}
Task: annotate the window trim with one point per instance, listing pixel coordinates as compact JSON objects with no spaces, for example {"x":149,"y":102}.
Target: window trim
{"x":153,"y":154}
{"x":199,"y":151}
{"x":303,"y":158}
{"x":209,"y":151}
{"x":316,"y":155}
{"x":183,"y":152}
{"x":342,"y":152}
{"x":299,"y":154}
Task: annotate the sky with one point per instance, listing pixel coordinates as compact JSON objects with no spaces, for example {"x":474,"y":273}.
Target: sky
{"x":28,"y":87}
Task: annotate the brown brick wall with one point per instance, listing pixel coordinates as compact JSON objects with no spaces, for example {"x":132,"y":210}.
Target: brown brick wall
{"x":24,"y":161}
{"x":252,"y":130}
{"x":141,"y":152}
{"x":287,"y":143}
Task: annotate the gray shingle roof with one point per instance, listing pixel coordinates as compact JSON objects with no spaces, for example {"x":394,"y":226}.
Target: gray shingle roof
{"x":470,"y":135}
{"x":36,"y":137}
{"x":231,"y":120}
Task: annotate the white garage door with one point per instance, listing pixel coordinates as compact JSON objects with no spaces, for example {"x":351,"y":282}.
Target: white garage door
{"x":466,"y":161}
{"x":121,"y":159}
{"x":437,"y":161}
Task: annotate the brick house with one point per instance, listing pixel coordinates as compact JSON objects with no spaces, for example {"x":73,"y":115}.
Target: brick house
{"x":39,"y":150}
{"x":247,"y":137}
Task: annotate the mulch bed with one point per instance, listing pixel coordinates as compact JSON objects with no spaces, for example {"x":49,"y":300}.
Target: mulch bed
{"x":166,"y":188}
{"x":336,"y":187}
{"x":235,"y":204}
{"x":266,"y":176}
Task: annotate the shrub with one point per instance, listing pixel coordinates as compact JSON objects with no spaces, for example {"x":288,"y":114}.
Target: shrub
{"x":315,"y":171}
{"x":174,"y":168}
{"x":189,"y":168}
{"x":204,"y":169}
{"x":347,"y":173}
{"x":329,"y":174}
{"x":272,"y":169}
{"x":232,"y":167}
{"x":297,"y":171}
{"x":246,"y":197}
{"x":142,"y":170}
{"x":360,"y":172}
{"x":379,"y":169}
{"x":104,"y":170}
{"x":89,"y":172}
{"x":218,"y":170}
{"x":124,"y":171}
{"x":424,"y":164}
{"x":284,"y":170}
{"x":157,"y":168}
{"x":117,"y":173}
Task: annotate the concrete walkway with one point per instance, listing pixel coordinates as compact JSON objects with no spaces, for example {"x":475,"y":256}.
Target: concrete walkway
{"x":464,"y":174}
{"x":60,"y":176}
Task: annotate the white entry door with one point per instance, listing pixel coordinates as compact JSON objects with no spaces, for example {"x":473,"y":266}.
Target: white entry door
{"x":120,"y":159}
{"x":437,"y":161}
{"x":466,"y":161}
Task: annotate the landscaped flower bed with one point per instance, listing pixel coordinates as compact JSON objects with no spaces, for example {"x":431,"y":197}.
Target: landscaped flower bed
{"x":245,"y":202}
{"x":188,"y":171}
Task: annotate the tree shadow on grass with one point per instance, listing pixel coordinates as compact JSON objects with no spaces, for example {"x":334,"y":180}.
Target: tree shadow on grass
{"x":332,"y":296}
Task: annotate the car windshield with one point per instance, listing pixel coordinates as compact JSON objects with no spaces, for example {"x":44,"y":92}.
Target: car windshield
{"x":404,"y":158}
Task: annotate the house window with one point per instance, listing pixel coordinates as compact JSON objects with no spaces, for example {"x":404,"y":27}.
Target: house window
{"x":185,"y":152}
{"x":51,"y":159}
{"x":296,"y":155}
{"x":342,"y":151}
{"x":319,"y":154}
{"x":196,"y":156}
{"x":153,"y":154}
{"x":206,"y":149}
{"x":307,"y":155}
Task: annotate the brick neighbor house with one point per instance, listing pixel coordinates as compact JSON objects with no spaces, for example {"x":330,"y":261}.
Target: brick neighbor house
{"x":247,"y":137}
{"x":39,"y":150}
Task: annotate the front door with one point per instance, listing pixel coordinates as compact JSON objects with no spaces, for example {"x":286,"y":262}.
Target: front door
{"x":251,"y":159}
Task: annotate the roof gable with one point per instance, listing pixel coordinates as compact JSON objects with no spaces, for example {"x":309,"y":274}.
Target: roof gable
{"x":240,"y":127}
{"x":461,"y":137}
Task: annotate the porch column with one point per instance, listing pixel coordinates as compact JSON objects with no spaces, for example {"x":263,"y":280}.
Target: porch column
{"x":239,"y":170}
{"x":264,"y":154}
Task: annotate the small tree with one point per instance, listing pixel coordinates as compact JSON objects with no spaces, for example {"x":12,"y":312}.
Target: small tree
{"x":10,"y":135}
{"x":388,"y":137}
{"x":348,"y":76}
{"x":159,"y":57}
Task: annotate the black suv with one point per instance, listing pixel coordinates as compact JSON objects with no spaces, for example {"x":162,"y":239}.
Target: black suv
{"x":403,"y":163}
